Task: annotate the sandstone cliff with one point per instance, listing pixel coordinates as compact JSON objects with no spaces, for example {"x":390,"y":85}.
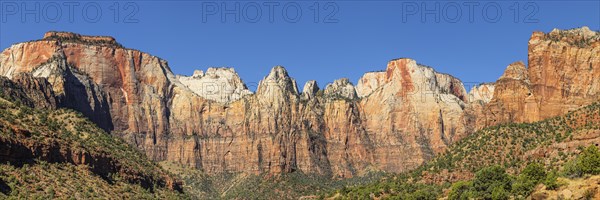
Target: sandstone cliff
{"x":218,"y":84}
{"x":563,"y":72}
{"x":393,"y":120}
{"x":483,"y":92}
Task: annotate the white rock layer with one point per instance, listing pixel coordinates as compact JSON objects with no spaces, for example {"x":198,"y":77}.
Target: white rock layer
{"x":218,"y":84}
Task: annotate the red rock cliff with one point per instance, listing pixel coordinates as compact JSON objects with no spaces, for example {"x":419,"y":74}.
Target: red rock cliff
{"x":392,"y":120}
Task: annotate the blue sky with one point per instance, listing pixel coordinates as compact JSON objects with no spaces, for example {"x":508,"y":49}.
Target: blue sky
{"x":345,"y":39}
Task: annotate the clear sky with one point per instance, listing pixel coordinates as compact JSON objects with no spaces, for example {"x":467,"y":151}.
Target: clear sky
{"x":472,"y":40}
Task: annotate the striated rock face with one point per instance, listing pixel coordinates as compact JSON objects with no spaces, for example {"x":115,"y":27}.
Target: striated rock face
{"x":218,"y":84}
{"x":511,"y":92}
{"x":483,"y":92}
{"x":393,"y":120}
{"x":415,"y":113}
{"x":563,"y":72}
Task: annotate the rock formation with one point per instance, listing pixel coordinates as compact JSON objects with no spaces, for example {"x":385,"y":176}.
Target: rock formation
{"x":310,"y":89}
{"x":483,"y":92}
{"x":563,"y":72}
{"x":393,"y":120}
{"x":33,"y":92}
{"x":341,"y":88}
{"x":218,"y":84}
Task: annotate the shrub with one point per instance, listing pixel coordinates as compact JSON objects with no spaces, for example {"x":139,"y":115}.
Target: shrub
{"x":551,"y":181}
{"x":587,"y":162}
{"x":488,"y":179}
{"x":461,"y":190}
{"x":523,"y":186}
{"x":499,"y":193}
{"x":534,"y":172}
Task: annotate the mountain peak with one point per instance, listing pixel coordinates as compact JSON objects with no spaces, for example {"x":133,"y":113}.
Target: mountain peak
{"x":341,"y":88}
{"x":516,"y":70}
{"x":278,"y":79}
{"x":310,"y":89}
{"x":219,"y":84}
{"x":278,"y":72}
{"x":582,"y":31}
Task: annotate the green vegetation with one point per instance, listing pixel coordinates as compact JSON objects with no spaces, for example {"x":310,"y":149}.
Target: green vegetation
{"x":263,"y":186}
{"x":61,"y":154}
{"x":491,"y":181}
{"x":501,"y":159}
{"x":494,"y":183}
{"x":587,"y":162}
{"x":567,"y":36}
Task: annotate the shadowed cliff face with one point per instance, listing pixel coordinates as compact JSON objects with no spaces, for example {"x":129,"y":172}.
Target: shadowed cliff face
{"x":392,"y":120}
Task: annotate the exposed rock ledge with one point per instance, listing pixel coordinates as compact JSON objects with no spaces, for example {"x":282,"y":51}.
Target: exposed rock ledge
{"x":222,"y":85}
{"x":78,"y":37}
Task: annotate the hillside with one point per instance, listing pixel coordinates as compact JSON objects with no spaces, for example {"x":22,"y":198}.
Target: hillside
{"x":551,"y":142}
{"x":294,"y":185}
{"x":48,"y":153}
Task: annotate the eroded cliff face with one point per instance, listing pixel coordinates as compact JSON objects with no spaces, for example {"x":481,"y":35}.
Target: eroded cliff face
{"x":483,"y":92}
{"x":392,"y":120}
{"x":564,"y":66}
{"x":412,"y":114}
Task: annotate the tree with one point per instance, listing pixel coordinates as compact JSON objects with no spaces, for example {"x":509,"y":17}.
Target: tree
{"x":532,"y":175}
{"x":499,"y":193}
{"x":461,"y":190}
{"x":490,"y":178}
{"x":587,"y":162}
{"x":535,"y":172}
{"x":551,"y":181}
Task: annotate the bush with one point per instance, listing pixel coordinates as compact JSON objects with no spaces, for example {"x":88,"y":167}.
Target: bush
{"x":499,"y":193}
{"x":587,"y":162}
{"x":522,"y":186}
{"x":461,"y":190}
{"x":551,"y":181}
{"x":534,"y":172}
{"x":489,"y":179}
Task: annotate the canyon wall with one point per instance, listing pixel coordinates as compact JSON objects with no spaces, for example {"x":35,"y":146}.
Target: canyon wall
{"x":393,"y":120}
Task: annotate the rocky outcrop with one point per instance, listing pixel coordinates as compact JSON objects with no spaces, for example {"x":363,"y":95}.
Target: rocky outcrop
{"x":369,"y":82}
{"x":310,"y":89}
{"x":136,"y":96}
{"x":341,"y":88}
{"x":483,"y":92}
{"x":562,"y":76}
{"x":393,"y":120}
{"x":68,"y":36}
{"x":587,"y":187}
{"x":218,"y":84}
{"x":414,"y":114}
{"x":511,"y":92}
{"x":33,"y":92}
